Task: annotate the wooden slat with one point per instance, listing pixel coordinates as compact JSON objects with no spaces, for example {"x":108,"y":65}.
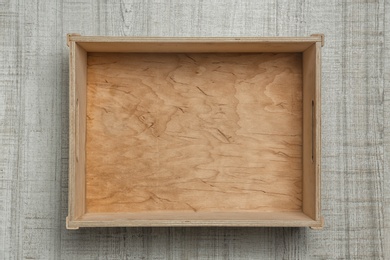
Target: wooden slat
{"x":317,"y":130}
{"x":311,"y":130}
{"x":270,"y":40}
{"x":77,"y":130}
{"x":250,"y":219}
{"x":207,"y":44}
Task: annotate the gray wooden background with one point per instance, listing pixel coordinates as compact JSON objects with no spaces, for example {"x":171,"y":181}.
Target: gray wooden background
{"x":34,"y":131}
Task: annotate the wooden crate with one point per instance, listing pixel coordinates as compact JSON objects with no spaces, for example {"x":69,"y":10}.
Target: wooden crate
{"x":194,"y":131}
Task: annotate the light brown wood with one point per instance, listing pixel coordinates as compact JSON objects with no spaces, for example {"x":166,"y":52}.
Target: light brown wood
{"x":77,"y":130}
{"x":243,"y":219}
{"x":70,"y":224}
{"x":211,"y":44}
{"x":322,"y":38}
{"x":195,"y":135}
{"x":68,"y":36}
{"x":311,"y":131}
{"x":318,"y":138}
{"x":319,"y":225}
{"x":188,"y":40}
{"x":194,"y":132}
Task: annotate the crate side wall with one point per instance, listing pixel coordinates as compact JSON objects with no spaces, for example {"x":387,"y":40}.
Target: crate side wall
{"x":77,"y":130}
{"x":310,"y":152}
{"x":270,"y":219}
{"x":318,"y":131}
{"x":194,"y":47}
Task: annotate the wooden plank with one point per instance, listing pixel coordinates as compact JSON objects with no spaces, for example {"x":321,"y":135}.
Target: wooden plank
{"x":77,"y":130}
{"x":309,"y":86}
{"x":194,"y":132}
{"x":207,"y":44}
{"x":312,"y":130}
{"x":250,"y":219}
{"x":153,"y":40}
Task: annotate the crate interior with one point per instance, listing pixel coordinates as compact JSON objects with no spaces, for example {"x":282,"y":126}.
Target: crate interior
{"x":207,"y":137}
{"x":194,"y":132}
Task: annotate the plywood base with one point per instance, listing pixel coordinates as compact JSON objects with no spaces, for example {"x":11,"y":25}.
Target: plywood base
{"x":194,"y":132}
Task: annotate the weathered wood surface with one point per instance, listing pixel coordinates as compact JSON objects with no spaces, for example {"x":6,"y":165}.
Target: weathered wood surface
{"x":355,"y":116}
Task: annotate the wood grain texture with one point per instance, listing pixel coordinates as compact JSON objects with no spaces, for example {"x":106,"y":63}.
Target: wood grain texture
{"x":188,"y":44}
{"x":311,"y":143}
{"x":77,"y":131}
{"x":200,"y":219}
{"x":194,"y":132}
{"x":34,"y":119}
